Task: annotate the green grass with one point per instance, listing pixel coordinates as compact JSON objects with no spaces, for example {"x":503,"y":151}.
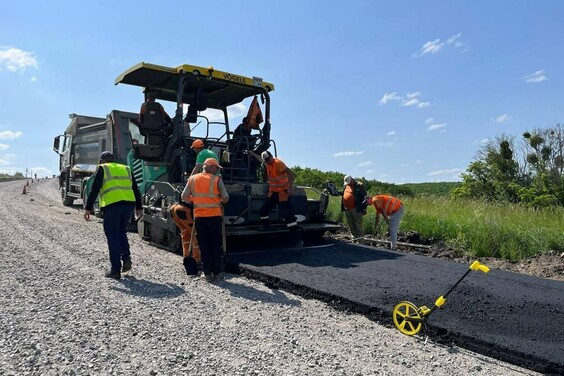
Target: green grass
{"x":476,"y":228}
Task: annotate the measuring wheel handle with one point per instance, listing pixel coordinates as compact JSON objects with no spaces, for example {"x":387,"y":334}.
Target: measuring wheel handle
{"x":476,"y":265}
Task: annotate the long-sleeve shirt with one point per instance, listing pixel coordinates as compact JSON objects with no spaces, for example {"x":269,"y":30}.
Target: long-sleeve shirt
{"x":97,"y":185}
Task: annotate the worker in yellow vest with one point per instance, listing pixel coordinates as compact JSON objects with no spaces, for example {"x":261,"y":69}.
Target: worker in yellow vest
{"x":207,"y":193}
{"x":119,"y":197}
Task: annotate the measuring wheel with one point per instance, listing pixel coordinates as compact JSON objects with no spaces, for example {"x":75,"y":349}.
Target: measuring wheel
{"x":407,"y":318}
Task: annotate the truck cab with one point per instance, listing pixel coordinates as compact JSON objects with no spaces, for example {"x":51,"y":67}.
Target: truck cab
{"x":81,"y":144}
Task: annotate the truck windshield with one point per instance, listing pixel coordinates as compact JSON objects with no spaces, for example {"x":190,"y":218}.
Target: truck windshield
{"x":88,"y":147}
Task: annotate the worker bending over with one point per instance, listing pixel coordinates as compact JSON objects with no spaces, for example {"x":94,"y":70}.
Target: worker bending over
{"x":391,"y":209}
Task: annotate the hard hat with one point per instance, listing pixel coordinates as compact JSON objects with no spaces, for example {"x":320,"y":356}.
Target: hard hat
{"x":265,"y":155}
{"x":212,"y":162}
{"x":347,"y":180}
{"x":367,"y":200}
{"x":197,"y":144}
{"x":106,"y":156}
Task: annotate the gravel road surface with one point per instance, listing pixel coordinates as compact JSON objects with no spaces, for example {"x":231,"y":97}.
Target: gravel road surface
{"x":60,"y":316}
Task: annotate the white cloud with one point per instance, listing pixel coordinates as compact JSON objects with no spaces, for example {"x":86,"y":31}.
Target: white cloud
{"x":412,"y":99}
{"x":33,"y":79}
{"x":431,"y":47}
{"x":389,"y":97}
{"x":536,"y":77}
{"x":429,"y":121}
{"x":16,"y":60}
{"x":434,"y":46}
{"x":9,"y":135}
{"x":365,"y":164}
{"x":4,"y":162}
{"x":454,"y":39}
{"x":457,"y":43}
{"x":369,"y":172}
{"x":434,"y":127}
{"x":391,"y":133}
{"x":4,"y":146}
{"x":484,"y":141}
{"x":347,"y":153}
{"x":502,"y":119}
{"x":419,"y":161}
{"x":445,"y":172}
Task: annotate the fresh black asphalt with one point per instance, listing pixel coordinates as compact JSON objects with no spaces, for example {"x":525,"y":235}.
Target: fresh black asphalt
{"x":512,"y":317}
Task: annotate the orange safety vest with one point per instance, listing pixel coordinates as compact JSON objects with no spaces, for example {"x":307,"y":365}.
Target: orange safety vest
{"x":387,"y":204}
{"x":348,"y":198}
{"x":205,"y":195}
{"x":277,"y":181}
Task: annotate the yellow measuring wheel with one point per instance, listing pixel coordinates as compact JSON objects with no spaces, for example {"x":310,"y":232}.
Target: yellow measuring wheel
{"x":409,"y":319}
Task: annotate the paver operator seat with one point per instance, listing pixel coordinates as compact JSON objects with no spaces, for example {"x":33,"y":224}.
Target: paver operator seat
{"x":153,"y":127}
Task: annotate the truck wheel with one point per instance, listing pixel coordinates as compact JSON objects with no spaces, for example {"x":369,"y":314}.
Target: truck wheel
{"x":67,"y":200}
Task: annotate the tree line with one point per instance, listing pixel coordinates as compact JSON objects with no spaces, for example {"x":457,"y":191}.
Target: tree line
{"x":529,"y":171}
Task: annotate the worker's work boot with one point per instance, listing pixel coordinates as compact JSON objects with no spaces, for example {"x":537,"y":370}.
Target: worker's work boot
{"x":126,"y":266}
{"x":113,"y":275}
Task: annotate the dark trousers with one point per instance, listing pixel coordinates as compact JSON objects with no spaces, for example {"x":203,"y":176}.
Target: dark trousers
{"x":116,"y":218}
{"x":285,"y":208}
{"x":209,"y":235}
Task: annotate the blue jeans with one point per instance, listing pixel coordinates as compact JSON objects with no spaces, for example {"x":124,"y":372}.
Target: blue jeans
{"x":116,"y":218}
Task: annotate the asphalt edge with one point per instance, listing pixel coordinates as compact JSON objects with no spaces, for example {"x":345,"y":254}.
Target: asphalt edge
{"x":384,"y":317}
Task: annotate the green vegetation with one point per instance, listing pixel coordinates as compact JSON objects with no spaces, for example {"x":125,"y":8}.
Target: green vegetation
{"x":318,"y":179}
{"x":531,"y":172}
{"x":476,"y":228}
{"x":509,"y":205}
{"x":440,"y":189}
{"x":17,"y":175}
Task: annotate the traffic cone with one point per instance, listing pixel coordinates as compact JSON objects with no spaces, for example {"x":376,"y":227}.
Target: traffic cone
{"x":24,"y":192}
{"x":27,"y":183}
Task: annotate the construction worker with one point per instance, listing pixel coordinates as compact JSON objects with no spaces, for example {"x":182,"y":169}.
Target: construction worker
{"x":280,"y":181}
{"x":353,"y":206}
{"x":391,"y":209}
{"x":151,"y":105}
{"x":201,"y":155}
{"x":119,"y":197}
{"x":182,"y":217}
{"x":207,"y":192}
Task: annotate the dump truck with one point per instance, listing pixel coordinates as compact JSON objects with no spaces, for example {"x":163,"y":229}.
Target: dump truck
{"x":81,"y":144}
{"x":207,"y":102}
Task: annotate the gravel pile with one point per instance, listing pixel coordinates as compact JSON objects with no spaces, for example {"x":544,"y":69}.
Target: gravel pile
{"x":60,"y":316}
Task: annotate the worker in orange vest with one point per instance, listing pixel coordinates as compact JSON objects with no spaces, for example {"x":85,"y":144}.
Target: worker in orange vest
{"x":207,"y":193}
{"x":391,"y":209}
{"x":280,"y":181}
{"x":352,"y":204}
{"x":182,"y":217}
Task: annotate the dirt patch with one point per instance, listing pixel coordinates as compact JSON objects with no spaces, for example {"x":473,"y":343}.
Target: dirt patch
{"x":549,"y":265}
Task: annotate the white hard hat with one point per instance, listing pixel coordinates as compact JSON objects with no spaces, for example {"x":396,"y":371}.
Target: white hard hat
{"x":347,"y":179}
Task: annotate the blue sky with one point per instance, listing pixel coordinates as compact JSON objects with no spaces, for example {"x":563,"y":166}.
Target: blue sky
{"x":397,"y":91}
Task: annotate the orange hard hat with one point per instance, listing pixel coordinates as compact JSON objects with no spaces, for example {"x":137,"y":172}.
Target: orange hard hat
{"x":197,"y":144}
{"x":212,"y":162}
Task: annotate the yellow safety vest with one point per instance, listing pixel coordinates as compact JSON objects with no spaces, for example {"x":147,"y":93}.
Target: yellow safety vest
{"x":117,"y":184}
